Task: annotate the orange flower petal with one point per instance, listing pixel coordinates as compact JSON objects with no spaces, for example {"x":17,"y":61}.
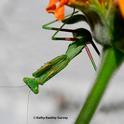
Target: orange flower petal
{"x":121,"y":6}
{"x":51,"y":6}
{"x":59,"y":13}
{"x":63,"y":2}
{"x":57,"y":8}
{"x":80,"y":3}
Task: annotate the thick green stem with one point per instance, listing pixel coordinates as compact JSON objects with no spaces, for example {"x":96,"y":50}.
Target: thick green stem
{"x":110,"y":62}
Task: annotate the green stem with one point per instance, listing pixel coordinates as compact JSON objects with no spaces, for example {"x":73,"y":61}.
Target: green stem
{"x":110,"y":62}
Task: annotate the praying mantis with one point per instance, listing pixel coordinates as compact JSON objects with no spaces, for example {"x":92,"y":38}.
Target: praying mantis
{"x":81,"y":38}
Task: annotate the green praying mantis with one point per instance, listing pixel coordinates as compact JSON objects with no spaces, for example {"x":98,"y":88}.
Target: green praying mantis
{"x":112,"y":58}
{"x":81,"y":37}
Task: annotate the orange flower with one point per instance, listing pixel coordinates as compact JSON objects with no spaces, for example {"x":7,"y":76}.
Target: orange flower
{"x":57,"y":8}
{"x":121,"y":6}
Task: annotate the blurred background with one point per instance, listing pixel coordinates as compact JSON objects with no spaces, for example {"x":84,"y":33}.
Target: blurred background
{"x":24,"y":47}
